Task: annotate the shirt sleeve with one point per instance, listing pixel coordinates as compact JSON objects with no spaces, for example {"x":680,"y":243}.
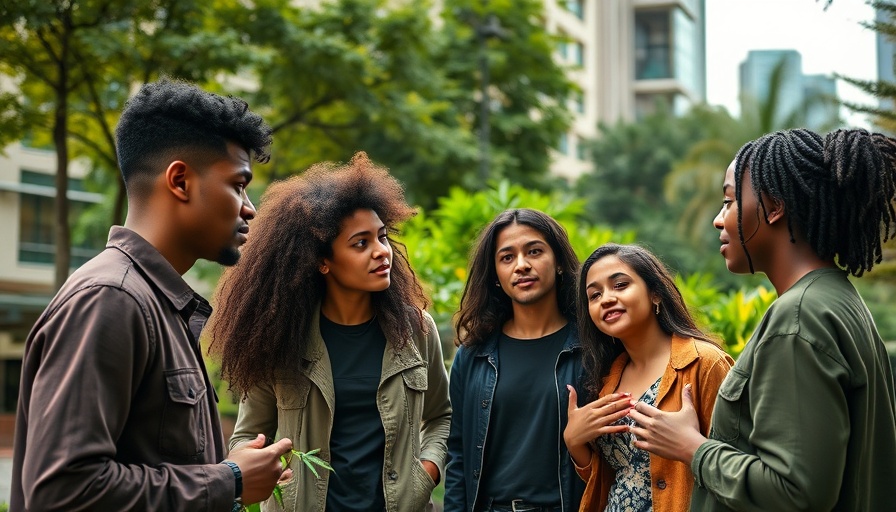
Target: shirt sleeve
{"x":88,"y":359}
{"x":800,"y":431}
{"x":257,"y":413}
{"x":436,"y":405}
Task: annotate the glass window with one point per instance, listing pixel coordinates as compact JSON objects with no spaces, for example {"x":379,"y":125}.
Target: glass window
{"x":578,"y":101}
{"x":578,"y":53}
{"x":563,"y":144}
{"x":576,"y":7}
{"x":652,"y":45}
{"x":582,"y":150}
{"x":37,"y":223}
{"x":685,"y":37}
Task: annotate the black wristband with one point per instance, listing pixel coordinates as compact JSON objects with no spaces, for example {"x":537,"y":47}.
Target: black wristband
{"x":237,"y":476}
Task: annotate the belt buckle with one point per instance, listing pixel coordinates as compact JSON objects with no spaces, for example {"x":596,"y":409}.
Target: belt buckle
{"x":521,"y":504}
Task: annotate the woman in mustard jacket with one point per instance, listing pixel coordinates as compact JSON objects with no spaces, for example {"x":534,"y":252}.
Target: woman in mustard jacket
{"x":640,"y":344}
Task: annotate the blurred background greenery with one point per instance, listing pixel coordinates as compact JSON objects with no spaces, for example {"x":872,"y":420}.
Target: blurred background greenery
{"x":405,"y":82}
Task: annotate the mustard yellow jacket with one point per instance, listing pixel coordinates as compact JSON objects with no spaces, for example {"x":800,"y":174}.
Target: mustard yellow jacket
{"x":704,"y":366}
{"x":414,"y":408}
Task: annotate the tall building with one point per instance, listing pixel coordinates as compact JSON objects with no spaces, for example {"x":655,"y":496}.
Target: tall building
{"x":624,"y":55}
{"x":822,"y":112}
{"x":886,"y":57}
{"x":756,"y":78}
{"x":812,"y":96}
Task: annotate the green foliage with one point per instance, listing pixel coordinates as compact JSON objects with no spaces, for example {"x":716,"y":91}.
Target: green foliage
{"x":528,"y":89}
{"x":732,"y":316}
{"x":388,"y":79}
{"x":885,"y":118}
{"x":439,"y":242}
{"x":625,"y":190}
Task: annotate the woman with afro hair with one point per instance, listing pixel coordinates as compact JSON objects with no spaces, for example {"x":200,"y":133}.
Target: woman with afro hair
{"x":806,"y":418}
{"x":321,"y":328}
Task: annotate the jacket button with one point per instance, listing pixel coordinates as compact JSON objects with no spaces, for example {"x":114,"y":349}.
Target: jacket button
{"x":661,"y":484}
{"x":484,"y":404}
{"x":191,"y":393}
{"x":393,"y":475}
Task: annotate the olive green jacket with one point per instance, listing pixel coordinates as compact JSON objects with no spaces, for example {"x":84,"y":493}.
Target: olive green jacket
{"x":806,"y":419}
{"x":413,"y":404}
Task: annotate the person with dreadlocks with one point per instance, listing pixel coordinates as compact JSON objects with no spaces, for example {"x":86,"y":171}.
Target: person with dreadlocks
{"x":334,"y":349}
{"x":806,"y":420}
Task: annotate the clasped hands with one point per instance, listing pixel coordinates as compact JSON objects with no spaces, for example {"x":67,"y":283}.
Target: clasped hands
{"x":671,"y":435}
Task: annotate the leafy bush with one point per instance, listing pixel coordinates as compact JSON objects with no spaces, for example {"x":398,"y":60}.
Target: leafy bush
{"x":439,"y":242}
{"x":732,"y":316}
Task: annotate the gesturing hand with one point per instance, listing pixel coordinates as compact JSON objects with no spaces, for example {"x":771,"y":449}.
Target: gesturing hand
{"x":671,"y":435}
{"x":592,"y":420}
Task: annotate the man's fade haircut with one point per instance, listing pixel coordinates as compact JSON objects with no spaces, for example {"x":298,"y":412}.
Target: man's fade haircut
{"x":168,"y":116}
{"x":484,"y":307}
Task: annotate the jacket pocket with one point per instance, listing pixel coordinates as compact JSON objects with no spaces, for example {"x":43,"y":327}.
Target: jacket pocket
{"x":182,"y":431}
{"x":292,"y":394}
{"x":423,"y":486}
{"x":729,"y":407}
{"x":416,"y":382}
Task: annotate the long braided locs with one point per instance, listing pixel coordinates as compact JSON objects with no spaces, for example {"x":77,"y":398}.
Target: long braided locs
{"x":838,"y":190}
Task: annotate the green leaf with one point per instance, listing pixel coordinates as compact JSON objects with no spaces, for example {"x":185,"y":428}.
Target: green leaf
{"x":278,"y":495}
{"x":311,"y":467}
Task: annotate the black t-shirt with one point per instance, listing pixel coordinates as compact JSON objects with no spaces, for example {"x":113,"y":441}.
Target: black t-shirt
{"x":357,"y":441}
{"x":521,"y":456}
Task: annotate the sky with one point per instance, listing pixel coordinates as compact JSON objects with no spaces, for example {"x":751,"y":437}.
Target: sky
{"x":830,"y":41}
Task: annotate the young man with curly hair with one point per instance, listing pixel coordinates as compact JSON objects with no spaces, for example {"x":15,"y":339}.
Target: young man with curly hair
{"x":116,"y":410}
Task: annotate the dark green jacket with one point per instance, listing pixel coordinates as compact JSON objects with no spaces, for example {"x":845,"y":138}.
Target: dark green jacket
{"x":805,"y":420}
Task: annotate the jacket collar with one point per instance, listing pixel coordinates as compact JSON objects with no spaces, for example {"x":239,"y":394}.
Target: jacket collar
{"x":684,"y":352}
{"x":156,"y":268}
{"x":395,"y":361}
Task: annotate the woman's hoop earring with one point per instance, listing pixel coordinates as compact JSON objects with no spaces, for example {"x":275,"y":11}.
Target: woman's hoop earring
{"x":657,"y":308}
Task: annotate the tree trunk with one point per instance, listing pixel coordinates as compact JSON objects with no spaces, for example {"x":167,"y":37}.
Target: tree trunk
{"x":62,"y":238}
{"x":62,"y":235}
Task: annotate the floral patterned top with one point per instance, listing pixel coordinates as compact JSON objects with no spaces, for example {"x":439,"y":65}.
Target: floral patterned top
{"x":631,"y":490}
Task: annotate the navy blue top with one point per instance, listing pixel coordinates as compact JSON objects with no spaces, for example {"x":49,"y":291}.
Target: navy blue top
{"x":520,"y":458}
{"x":358,"y":441}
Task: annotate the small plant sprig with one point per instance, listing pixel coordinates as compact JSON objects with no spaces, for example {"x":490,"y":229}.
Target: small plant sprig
{"x":309,"y":458}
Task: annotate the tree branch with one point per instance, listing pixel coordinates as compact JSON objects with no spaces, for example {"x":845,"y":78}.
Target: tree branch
{"x":297,"y":117}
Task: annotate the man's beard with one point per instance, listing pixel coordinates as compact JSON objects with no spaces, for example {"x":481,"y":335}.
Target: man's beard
{"x":228,"y":256}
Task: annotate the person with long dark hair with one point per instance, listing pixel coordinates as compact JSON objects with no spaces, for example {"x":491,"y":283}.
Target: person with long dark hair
{"x":806,"y":420}
{"x":322,"y":330}
{"x":640,"y":344}
{"x":519,"y":350}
